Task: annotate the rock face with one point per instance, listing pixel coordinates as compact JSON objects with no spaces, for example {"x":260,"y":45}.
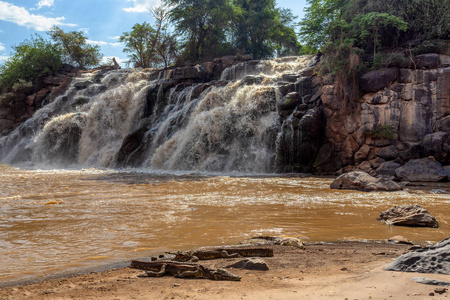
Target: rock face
{"x":425,"y":169}
{"x":19,"y":106}
{"x":358,"y":180}
{"x":434,"y":259}
{"x":403,"y":114}
{"x":414,"y":216}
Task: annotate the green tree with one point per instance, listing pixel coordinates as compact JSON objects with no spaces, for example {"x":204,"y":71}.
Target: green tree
{"x":151,"y":46}
{"x":203,"y":25}
{"x":315,"y":26}
{"x":263,"y":30}
{"x":30,"y":59}
{"x":76,"y":51}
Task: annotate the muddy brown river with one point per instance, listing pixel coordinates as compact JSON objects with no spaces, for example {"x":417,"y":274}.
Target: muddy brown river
{"x":55,"y":221}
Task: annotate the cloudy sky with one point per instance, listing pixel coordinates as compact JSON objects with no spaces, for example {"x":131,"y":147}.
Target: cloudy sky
{"x":101,"y":20}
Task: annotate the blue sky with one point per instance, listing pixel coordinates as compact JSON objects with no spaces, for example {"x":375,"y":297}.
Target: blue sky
{"x":101,"y":20}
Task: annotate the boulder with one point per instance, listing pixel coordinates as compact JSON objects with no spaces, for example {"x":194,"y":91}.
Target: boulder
{"x":431,"y":260}
{"x":390,"y":152}
{"x":437,"y":145}
{"x":290,"y":101}
{"x":447,"y":171}
{"x":388,"y":168}
{"x":358,"y":180}
{"x":427,"y":61}
{"x":422,"y":169}
{"x":253,"y":263}
{"x":377,"y":80}
{"x":362,"y":154}
{"x":408,"y":215}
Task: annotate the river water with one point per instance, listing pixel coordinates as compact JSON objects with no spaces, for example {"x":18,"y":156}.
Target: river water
{"x":54,"y":221}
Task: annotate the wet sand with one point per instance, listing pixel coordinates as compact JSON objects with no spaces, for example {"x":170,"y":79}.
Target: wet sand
{"x":342,"y":270}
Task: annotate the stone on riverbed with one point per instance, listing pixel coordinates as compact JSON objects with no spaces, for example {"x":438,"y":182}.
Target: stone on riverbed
{"x":432,"y":260}
{"x":256,"y":264}
{"x":358,"y":180}
{"x":408,"y":215}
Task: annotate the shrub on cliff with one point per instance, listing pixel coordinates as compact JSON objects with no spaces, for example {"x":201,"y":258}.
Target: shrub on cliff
{"x":30,"y":59}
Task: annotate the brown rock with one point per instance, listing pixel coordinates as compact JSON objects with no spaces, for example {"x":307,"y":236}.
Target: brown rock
{"x":408,"y":215}
{"x":359,"y":180}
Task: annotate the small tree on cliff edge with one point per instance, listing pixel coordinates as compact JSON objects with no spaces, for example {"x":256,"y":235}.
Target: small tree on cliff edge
{"x":151,"y":46}
{"x":76,"y":51}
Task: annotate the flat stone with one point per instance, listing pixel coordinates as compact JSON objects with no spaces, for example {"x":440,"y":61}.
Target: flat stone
{"x":428,"y":281}
{"x":398,"y":239}
{"x":256,"y":264}
{"x":408,"y":215}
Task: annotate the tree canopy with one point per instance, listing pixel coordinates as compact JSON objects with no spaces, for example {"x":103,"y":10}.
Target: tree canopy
{"x":74,"y":48}
{"x":211,"y":28}
{"x":151,"y":46}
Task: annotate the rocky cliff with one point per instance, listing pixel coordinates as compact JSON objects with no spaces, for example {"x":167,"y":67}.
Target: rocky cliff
{"x":403,"y":114}
{"x":231,"y":114}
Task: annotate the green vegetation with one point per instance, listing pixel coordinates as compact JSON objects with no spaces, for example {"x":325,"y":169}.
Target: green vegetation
{"x":32,"y":58}
{"x":358,"y":35}
{"x":151,"y":46}
{"x":382,"y":132}
{"x":74,"y":48}
{"x":212,"y":28}
{"x":39,"y":57}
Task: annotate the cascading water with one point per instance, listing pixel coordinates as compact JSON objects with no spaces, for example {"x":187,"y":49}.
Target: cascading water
{"x":153,"y":120}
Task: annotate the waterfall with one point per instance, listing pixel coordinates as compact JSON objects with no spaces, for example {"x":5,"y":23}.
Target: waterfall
{"x":155,"y":120}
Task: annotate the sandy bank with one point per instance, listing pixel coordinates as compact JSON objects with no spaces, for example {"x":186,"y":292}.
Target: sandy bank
{"x":343,"y":270}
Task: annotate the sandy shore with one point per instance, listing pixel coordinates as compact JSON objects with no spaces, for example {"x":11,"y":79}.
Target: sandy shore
{"x":343,"y":270}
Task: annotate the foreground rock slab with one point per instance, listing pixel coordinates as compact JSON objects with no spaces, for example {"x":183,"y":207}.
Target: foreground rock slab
{"x":431,"y":260}
{"x":408,"y":215}
{"x":361,"y":181}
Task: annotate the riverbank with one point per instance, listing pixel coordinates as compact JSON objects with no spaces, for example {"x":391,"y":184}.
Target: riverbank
{"x":342,"y":270}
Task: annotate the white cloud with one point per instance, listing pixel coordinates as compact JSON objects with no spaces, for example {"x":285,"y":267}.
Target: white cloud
{"x":114,"y":37}
{"x":3,"y":58}
{"x":85,"y":30}
{"x":116,"y":44}
{"x":100,"y":43}
{"x":140,"y":6}
{"x":45,"y":3}
{"x":20,"y":16}
{"x":2,"y":48}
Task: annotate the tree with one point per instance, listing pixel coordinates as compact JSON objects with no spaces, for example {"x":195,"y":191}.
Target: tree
{"x":30,"y":59}
{"x":138,"y":45}
{"x":203,"y":25}
{"x":76,"y":51}
{"x":263,"y":30}
{"x":319,"y":17}
{"x":151,"y":46}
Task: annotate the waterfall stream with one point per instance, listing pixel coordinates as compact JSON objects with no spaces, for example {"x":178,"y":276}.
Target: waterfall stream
{"x":228,"y":125}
